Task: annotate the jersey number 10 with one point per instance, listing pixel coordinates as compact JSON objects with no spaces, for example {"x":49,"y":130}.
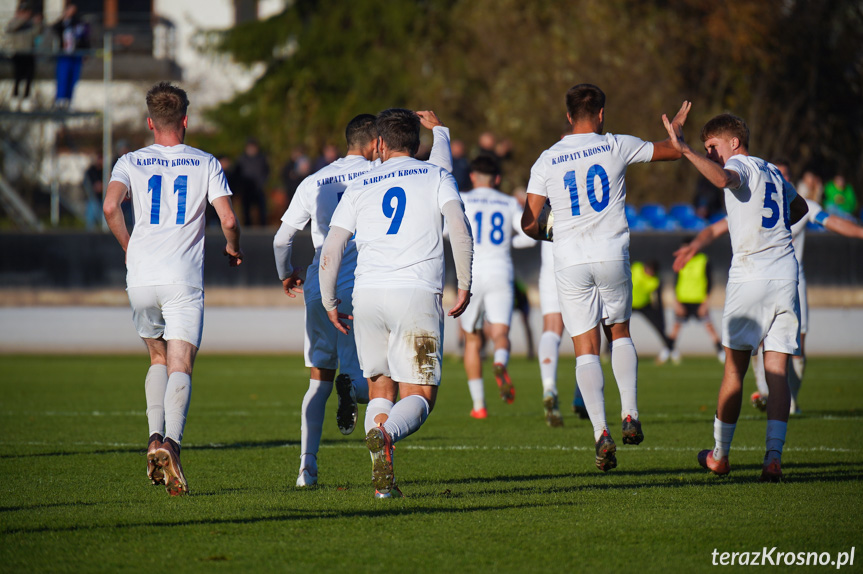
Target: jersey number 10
{"x":154,"y":186}
{"x":597,"y":205}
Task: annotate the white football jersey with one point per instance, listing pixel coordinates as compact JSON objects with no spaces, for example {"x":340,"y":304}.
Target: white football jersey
{"x":758,"y":222}
{"x":395,"y":212}
{"x":583,"y":177}
{"x":798,"y":230}
{"x":495,"y":220}
{"x":169,"y":187}
{"x":316,"y":199}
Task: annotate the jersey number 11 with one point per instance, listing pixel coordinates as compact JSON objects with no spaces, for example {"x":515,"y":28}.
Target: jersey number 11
{"x":154,"y":187}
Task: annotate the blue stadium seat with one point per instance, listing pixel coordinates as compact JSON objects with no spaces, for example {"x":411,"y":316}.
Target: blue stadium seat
{"x":631,"y":211}
{"x":716,"y":217}
{"x":636,"y":223}
{"x":681,"y":211}
{"x":692,"y":223}
{"x":654,"y":213}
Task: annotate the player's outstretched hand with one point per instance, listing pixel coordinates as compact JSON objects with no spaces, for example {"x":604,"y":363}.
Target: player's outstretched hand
{"x":293,"y":284}
{"x":235,"y":258}
{"x":682,"y":257}
{"x":336,"y":319}
{"x":461,"y":304}
{"x":675,"y":127}
{"x":429,"y":119}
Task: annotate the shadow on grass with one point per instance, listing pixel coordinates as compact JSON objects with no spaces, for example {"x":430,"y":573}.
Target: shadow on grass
{"x":47,"y":505}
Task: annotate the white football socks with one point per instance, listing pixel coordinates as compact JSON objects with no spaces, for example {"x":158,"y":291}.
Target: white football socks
{"x":477,"y":393}
{"x":376,"y":407}
{"x":406,"y":417}
{"x":723,"y":433}
{"x":177,"y":395}
{"x":624,"y":365}
{"x":760,"y":375}
{"x":548,"y":350}
{"x":501,"y":357}
{"x":775,"y":440}
{"x":312,"y":417}
{"x":588,"y":376}
{"x":154,"y":390}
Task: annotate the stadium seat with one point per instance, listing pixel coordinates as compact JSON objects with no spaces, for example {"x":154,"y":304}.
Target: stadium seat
{"x":631,"y":211}
{"x":692,"y":223}
{"x":636,"y":223}
{"x":654,"y":213}
{"x":716,"y":217}
{"x":681,"y":211}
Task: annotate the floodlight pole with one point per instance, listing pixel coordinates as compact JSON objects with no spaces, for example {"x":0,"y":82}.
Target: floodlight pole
{"x":107,"y":77}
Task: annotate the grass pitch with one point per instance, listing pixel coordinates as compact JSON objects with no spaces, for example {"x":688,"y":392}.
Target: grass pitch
{"x":506,"y":494}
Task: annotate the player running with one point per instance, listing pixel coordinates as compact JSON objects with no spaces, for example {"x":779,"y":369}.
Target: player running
{"x":315,"y":200}
{"x":494,"y":218}
{"x":397,"y":211}
{"x":583,"y":177}
{"x":170,"y":184}
{"x":761,"y":301}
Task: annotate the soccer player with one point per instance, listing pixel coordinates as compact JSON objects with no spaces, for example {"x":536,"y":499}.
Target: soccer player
{"x":494,"y":218}
{"x":315,"y":200}
{"x":170,"y":184}
{"x":647,"y":300}
{"x":691,"y":293}
{"x":583,"y":177}
{"x":397,"y":211}
{"x":814,"y":215}
{"x":761,"y":302}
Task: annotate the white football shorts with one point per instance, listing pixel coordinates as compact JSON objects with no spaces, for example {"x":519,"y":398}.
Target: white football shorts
{"x":804,"y":305}
{"x":762,"y":310}
{"x":594,"y":292}
{"x":548,"y":300}
{"x":491,"y":299}
{"x":324,"y":346}
{"x":399,"y":333}
{"x":168,"y":311}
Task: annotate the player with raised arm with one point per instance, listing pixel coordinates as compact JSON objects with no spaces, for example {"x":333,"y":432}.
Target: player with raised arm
{"x":494,"y":218}
{"x":583,"y":178}
{"x":761,"y":302}
{"x":814,"y":215}
{"x":170,"y":184}
{"x":315,"y":200}
{"x":397,"y":211}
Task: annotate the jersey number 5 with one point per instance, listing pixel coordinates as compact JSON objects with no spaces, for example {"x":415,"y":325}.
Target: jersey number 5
{"x":154,"y":186}
{"x":597,"y":205}
{"x":397,"y":212}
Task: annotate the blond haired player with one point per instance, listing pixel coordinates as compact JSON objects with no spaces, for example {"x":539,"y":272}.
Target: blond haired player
{"x":170,"y":184}
{"x":761,"y":301}
{"x":583,"y":178}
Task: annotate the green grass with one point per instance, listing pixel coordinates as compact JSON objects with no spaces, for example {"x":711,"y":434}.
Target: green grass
{"x":506,"y":494}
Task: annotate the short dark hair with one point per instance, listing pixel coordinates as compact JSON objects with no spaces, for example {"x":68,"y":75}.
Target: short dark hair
{"x":360,"y":131}
{"x":400,"y":129}
{"x":726,"y":125}
{"x":167,"y":105}
{"x":485,"y":164}
{"x":584,"y":101}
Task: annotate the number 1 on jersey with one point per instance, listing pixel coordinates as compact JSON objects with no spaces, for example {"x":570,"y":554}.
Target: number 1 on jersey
{"x":397,"y":212}
{"x":154,"y":186}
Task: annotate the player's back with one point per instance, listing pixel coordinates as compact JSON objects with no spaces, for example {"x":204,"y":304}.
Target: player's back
{"x":798,"y":230}
{"x":170,"y":187}
{"x":316,"y":200}
{"x":492,"y":216}
{"x":583,"y":177}
{"x":758,"y":222}
{"x":396,"y":209}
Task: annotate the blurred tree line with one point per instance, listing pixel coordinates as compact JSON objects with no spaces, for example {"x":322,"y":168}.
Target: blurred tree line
{"x":792,"y":68}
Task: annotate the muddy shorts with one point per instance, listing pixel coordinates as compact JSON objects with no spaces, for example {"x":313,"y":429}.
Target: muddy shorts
{"x":399,"y":333}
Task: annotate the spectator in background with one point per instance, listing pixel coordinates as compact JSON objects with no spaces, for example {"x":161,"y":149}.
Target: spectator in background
{"x":293,"y":173}
{"x":252,"y":172}
{"x":811,"y":186}
{"x":647,"y":300}
{"x":212,"y":218}
{"x":708,"y":201}
{"x":93,"y":190}
{"x":839,"y":197}
{"x":486,"y":144}
{"x":74,"y":36}
{"x":22,"y":31}
{"x":460,"y":165}
{"x":329,"y":154}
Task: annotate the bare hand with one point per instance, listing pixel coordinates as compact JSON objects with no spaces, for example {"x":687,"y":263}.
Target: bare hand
{"x":235,"y":258}
{"x":675,"y":127}
{"x":682,"y":257}
{"x":429,"y":119}
{"x":461,"y":304}
{"x":293,"y":284}
{"x":336,"y":319}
